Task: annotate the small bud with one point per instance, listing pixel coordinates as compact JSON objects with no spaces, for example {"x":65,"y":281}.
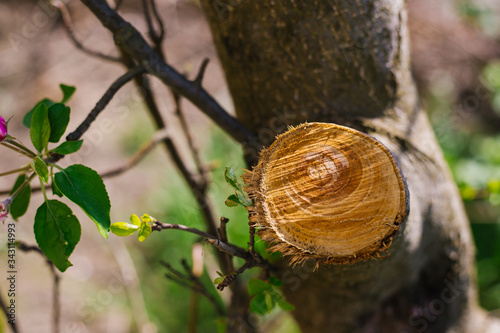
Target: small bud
{"x":4,"y":208}
{"x":3,"y":129}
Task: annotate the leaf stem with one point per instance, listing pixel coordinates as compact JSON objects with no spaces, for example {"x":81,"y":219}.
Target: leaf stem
{"x":43,"y":190}
{"x":25,"y":168}
{"x":20,"y":188}
{"x":7,"y":142}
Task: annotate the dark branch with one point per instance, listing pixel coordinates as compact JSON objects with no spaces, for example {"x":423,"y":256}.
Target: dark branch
{"x":156,"y":37}
{"x":224,"y":247}
{"x":222,"y":229}
{"x":68,"y":25}
{"x":127,"y":37}
{"x":196,"y":285}
{"x":105,"y":99}
{"x":201,"y":72}
{"x":231,"y":277}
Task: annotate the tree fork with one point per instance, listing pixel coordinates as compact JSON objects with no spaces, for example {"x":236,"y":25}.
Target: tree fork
{"x":347,"y":62}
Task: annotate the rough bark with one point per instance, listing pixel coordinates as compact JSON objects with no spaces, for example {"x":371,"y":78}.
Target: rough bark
{"x":347,"y":62}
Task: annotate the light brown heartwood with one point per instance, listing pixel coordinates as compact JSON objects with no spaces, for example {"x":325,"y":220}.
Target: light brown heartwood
{"x":327,"y":192}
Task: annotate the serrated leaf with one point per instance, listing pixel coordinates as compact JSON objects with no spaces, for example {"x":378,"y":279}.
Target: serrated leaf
{"x":260,"y":304}
{"x":219,"y":280}
{"x":40,"y":127}
{"x":68,"y":91}
{"x":57,"y":231}
{"x":144,"y":231}
{"x":123,"y":228}
{"x":85,"y":187}
{"x":41,"y":169}
{"x":256,"y":286}
{"x":232,"y":201}
{"x":27,"y":117}
{"x":20,"y":204}
{"x":231,"y":179}
{"x":59,"y":120}
{"x":68,"y":147}
{"x":135,"y":220}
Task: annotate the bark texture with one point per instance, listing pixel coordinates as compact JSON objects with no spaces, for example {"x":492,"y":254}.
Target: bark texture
{"x":347,"y":62}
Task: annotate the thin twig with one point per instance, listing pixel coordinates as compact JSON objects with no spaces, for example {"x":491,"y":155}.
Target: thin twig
{"x":195,"y":285}
{"x":25,"y":168}
{"x":68,"y":25}
{"x":135,"y":45}
{"x":13,"y":144}
{"x":138,"y":156}
{"x":192,"y":147}
{"x":56,"y":315}
{"x":118,"y":4}
{"x":223,"y":229}
{"x":231,"y":277}
{"x":105,"y":99}
{"x":157,"y":38}
{"x":201,"y":72}
{"x":224,"y":247}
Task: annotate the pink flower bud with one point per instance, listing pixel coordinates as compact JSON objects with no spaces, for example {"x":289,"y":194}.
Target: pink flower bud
{"x":3,"y":128}
{"x":4,"y":208}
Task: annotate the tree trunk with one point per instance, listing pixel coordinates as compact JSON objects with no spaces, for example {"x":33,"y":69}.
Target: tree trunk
{"x":347,"y":62}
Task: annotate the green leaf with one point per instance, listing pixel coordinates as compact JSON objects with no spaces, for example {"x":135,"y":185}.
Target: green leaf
{"x":256,"y":286}
{"x":85,"y":187}
{"x":59,"y":120}
{"x":144,"y":231}
{"x":20,"y":204}
{"x":135,"y":220}
{"x":219,"y":280}
{"x":238,"y":199}
{"x":27,"y":118}
{"x":148,"y":218}
{"x":40,"y":127}
{"x":261,"y":304}
{"x":273,"y":280}
{"x":244,"y":200}
{"x":68,"y":147}
{"x":55,"y":189}
{"x":123,"y":228}
{"x":232,"y":201}
{"x":41,"y":169}
{"x":57,"y":231}
{"x":221,"y":325}
{"x":68,"y":91}
{"x":231,"y":179}
{"x":284,"y":305}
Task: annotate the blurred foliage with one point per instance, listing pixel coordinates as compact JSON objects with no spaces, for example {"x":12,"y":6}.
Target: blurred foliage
{"x":474,"y":158}
{"x":480,"y":15}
